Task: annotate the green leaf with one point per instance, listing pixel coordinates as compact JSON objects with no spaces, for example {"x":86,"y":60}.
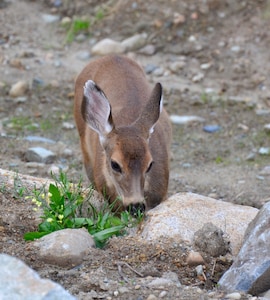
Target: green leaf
{"x":80,"y":222}
{"x":105,"y":234}
{"x":30,"y":236}
{"x":55,"y":195}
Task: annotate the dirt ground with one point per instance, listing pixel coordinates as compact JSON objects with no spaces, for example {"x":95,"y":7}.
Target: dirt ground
{"x":226,"y":41}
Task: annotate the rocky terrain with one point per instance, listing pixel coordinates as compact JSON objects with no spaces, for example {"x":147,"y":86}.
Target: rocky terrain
{"x":212,"y":58}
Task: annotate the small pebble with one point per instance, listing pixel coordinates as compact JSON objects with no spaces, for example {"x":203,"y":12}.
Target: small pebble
{"x":182,"y":120}
{"x":199,"y":270}
{"x":235,"y":49}
{"x":151,"y":297}
{"x":194,"y":258}
{"x":264,"y":151}
{"x":234,"y":296}
{"x":115,"y":293}
{"x":67,"y":125}
{"x":150,"y":68}
{"x":198,"y":77}
{"x":267,"y":128}
{"x":19,"y":89}
{"x":162,"y":294}
{"x":205,"y":66}
{"x":47,"y":18}
{"x":211,"y":128}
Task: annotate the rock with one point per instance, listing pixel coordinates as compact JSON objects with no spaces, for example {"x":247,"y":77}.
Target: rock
{"x":182,"y":120}
{"x":150,"y":68}
{"x":66,"y":21}
{"x":211,"y":240}
{"x":206,"y":66}
{"x":47,"y":18}
{"x":234,"y":295}
{"x":65,"y":248}
{"x":158,"y":72}
{"x":194,"y":258}
{"x":39,"y":154}
{"x":211,"y":128}
{"x":180,"y":216}
{"x":250,"y":271}
{"x":134,"y":42}
{"x":18,"y":281}
{"x":19,"y":89}
{"x":32,"y":138}
{"x":267,"y":128}
{"x":198,"y":77}
{"x":107,"y":46}
{"x":176,"y":66}
{"x":68,"y":125}
{"x":265,"y":171}
{"x":148,"y":50}
{"x":264,"y":151}
{"x":167,"y":279}
{"x":235,"y":49}
{"x":83,"y":55}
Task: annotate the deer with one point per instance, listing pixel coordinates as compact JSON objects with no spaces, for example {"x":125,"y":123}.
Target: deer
{"x":125,"y":133}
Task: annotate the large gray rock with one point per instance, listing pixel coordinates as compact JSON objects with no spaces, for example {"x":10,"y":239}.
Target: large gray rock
{"x":65,"y":248}
{"x":183,"y":214}
{"x":39,"y":154}
{"x":19,"y":282}
{"x":250,"y":271}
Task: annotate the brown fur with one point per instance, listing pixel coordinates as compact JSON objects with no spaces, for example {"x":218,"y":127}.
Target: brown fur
{"x":125,"y":86}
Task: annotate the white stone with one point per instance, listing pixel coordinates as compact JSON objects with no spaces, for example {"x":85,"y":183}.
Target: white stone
{"x":182,"y":120}
{"x":65,"y":248}
{"x":107,"y":46}
{"x":134,"y":42}
{"x":185,"y":213}
{"x":267,"y":128}
{"x":19,"y":89}
{"x":234,"y":296}
{"x":18,"y":281}
{"x":198,"y":77}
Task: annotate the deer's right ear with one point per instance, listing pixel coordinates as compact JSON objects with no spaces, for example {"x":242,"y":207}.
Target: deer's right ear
{"x":96,"y":110}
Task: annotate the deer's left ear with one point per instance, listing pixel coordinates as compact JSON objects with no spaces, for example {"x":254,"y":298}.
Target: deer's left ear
{"x":96,"y":110}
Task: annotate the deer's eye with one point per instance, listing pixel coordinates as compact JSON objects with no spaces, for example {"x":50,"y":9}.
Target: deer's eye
{"x":115,"y":166}
{"x":149,"y":167}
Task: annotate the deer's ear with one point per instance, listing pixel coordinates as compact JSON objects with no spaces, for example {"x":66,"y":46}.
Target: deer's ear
{"x":96,"y":110}
{"x":151,"y":112}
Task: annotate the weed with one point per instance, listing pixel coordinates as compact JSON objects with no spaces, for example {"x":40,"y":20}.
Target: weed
{"x":77,"y":26}
{"x":19,"y":189}
{"x":21,"y":123}
{"x":62,"y":205}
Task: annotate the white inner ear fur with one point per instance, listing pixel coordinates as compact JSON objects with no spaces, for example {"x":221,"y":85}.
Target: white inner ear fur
{"x":151,"y":130}
{"x":106,"y":127}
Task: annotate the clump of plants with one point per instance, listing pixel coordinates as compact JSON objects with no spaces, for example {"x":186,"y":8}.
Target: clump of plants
{"x":61,"y":207}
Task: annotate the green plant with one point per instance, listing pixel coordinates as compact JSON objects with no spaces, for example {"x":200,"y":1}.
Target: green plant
{"x":77,"y":26}
{"x":62,"y":205}
{"x":21,"y":123}
{"x":19,"y":188}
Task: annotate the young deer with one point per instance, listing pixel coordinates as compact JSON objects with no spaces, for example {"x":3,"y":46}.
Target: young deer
{"x":124,"y":132}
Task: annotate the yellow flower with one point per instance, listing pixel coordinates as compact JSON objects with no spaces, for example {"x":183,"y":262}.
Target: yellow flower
{"x":60,"y":217}
{"x":49,"y":220}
